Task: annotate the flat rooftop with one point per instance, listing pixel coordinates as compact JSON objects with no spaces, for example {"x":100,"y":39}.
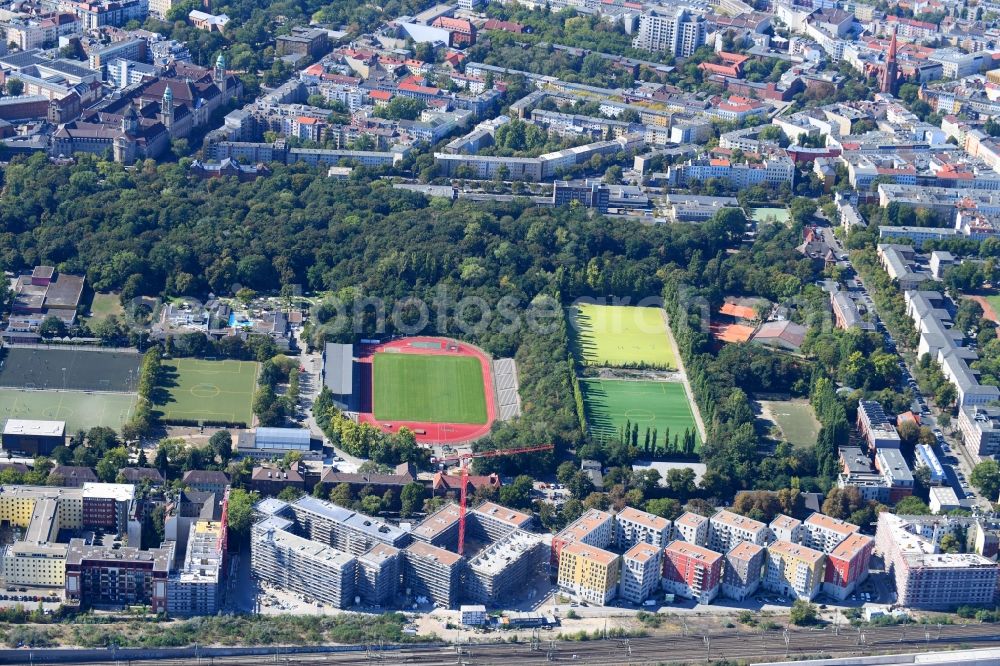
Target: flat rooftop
{"x":503,"y":514}
{"x":34,"y":428}
{"x":641,"y":552}
{"x":826,"y":522}
{"x":645,"y":519}
{"x":795,"y":550}
{"x":588,"y":552}
{"x":437,"y":523}
{"x":693,"y":551}
{"x":503,"y":553}
{"x":429,"y":552}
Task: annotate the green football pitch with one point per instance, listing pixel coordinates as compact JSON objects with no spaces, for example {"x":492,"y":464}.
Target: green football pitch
{"x":428,"y":387}
{"x":616,"y":335}
{"x":198,"y":390}
{"x":79,"y":409}
{"x":611,"y":403}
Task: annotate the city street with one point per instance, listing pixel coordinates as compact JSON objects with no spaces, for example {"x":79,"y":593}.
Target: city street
{"x":952,"y":464}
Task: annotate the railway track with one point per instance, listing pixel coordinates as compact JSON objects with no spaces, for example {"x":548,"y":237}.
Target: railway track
{"x":775,"y":645}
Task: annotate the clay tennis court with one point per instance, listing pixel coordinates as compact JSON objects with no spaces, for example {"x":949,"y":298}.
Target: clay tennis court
{"x":373,"y":398}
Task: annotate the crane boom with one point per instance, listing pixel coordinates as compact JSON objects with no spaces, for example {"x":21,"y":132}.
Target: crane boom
{"x":464,"y":460}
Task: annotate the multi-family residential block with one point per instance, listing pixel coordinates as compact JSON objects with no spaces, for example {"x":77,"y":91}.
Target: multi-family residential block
{"x":824,"y":533}
{"x":847,"y":565}
{"x":633,"y":526}
{"x":641,"y":572}
{"x":726,"y":529}
{"x":744,"y":568}
{"x":980,"y":428}
{"x":679,"y":34}
{"x":594,"y":528}
{"x":692,"y":571}
{"x":925,"y":577}
{"x":301,"y":565}
{"x":786,"y":528}
{"x":794,"y":570}
{"x":691,"y":527}
{"x":588,"y":572}
{"x":432,"y":572}
{"x":876,"y":427}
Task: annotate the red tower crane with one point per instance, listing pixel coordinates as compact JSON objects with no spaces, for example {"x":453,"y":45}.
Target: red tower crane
{"x":463,"y":460}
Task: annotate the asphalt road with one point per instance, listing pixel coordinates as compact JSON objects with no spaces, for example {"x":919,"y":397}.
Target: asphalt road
{"x":692,"y":648}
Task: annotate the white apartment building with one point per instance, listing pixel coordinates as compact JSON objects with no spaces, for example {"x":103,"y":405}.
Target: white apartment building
{"x":727,"y":529}
{"x":641,"y":572}
{"x":678,"y":34}
{"x":824,"y":533}
{"x":633,"y":526}
{"x":692,"y":528}
{"x":786,"y":528}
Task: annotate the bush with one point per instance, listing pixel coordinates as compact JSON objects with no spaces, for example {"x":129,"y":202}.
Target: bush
{"x":803,"y":613}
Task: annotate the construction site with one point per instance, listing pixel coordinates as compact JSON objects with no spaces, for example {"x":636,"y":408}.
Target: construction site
{"x":334,"y":555}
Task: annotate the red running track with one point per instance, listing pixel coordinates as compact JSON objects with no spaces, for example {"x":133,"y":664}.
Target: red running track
{"x":434,"y":433}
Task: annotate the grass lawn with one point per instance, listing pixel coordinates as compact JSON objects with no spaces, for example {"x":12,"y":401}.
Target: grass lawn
{"x":994,"y":300}
{"x":201,"y":390}
{"x":795,"y":419}
{"x":609,"y":403}
{"x":80,"y":410}
{"x":103,"y":306}
{"x":616,"y":335}
{"x":769,"y":215}
{"x":428,"y":387}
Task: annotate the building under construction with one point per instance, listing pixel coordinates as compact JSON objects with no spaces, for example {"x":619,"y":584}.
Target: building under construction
{"x":301,"y":565}
{"x":378,"y":575}
{"x":501,"y":570}
{"x":439,"y":529}
{"x":345,"y":530}
{"x":433,"y":573}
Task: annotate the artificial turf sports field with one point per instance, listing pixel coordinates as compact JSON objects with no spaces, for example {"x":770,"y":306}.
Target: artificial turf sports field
{"x":199,"y":390}
{"x":617,"y":335}
{"x":610,"y":403}
{"x":80,"y":410}
{"x":432,"y":388}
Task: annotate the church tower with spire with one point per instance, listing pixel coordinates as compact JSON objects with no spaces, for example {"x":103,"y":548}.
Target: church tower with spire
{"x":890,"y":72}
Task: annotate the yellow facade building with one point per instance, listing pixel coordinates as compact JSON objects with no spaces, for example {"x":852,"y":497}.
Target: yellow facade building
{"x":589,"y":573}
{"x":794,"y":570}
